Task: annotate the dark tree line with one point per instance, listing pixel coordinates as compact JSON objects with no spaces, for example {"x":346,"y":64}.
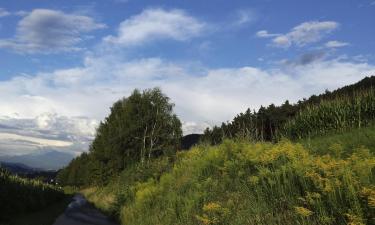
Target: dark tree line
{"x":267,"y":124}
{"x":137,"y":129}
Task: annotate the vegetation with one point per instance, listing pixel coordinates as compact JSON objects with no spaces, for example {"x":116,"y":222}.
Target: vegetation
{"x":46,"y":216}
{"x":325,"y":176}
{"x":339,"y":114}
{"x":244,"y":183}
{"x":268,"y":123}
{"x":20,"y":195}
{"x":138,"y":128}
{"x":347,"y":141}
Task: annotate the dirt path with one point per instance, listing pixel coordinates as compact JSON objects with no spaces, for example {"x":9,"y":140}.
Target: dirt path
{"x":80,"y":212}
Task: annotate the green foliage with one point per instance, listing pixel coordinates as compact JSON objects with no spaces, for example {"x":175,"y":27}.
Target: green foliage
{"x":245,"y":183}
{"x":335,"y":115}
{"x":119,"y":191}
{"x":263,"y":125}
{"x":20,"y":195}
{"x":138,"y":128}
{"x":268,"y":123}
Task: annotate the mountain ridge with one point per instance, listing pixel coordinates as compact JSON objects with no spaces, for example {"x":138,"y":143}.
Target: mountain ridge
{"x":49,"y":160}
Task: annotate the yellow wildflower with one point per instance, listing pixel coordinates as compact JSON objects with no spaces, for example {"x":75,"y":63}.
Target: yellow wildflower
{"x":369,"y":193}
{"x":253,"y":180}
{"x":204,"y":219}
{"x":212,"y":206}
{"x":354,"y":219}
{"x":302,"y":211}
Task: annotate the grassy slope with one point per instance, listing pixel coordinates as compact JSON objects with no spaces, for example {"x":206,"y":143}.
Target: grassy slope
{"x":244,"y":183}
{"x":349,"y":141}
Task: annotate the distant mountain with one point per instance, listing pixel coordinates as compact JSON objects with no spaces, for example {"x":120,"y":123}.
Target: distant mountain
{"x":189,"y":141}
{"x":17,"y":168}
{"x":49,"y":160}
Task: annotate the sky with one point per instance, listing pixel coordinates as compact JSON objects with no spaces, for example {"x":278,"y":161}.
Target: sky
{"x":64,"y":63}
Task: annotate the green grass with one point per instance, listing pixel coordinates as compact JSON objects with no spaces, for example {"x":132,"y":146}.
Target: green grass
{"x":246,"y":183}
{"x":110,"y":198}
{"x":348,"y":141}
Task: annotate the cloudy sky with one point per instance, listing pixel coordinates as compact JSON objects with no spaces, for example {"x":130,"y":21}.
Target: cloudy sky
{"x":63,"y":63}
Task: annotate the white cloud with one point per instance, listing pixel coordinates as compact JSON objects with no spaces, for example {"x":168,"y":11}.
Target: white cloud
{"x":157,"y":24}
{"x":301,"y":35}
{"x":209,"y":97}
{"x":20,"y":135}
{"x":48,"y":125}
{"x":39,"y":141}
{"x":4,"y":12}
{"x":50,"y":31}
{"x":335,"y":44}
{"x":265,"y":34}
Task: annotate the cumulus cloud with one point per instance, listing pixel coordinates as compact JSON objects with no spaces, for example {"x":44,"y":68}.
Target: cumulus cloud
{"x":301,"y":35}
{"x":4,"y":12}
{"x":157,"y":23}
{"x":84,"y":94}
{"x":20,"y":135}
{"x":50,"y":31}
{"x":335,"y":44}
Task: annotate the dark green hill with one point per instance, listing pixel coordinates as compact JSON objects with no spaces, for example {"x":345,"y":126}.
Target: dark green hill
{"x":190,"y":140}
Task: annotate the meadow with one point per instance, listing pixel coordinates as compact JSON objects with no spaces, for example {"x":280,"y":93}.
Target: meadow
{"x":239,"y":182}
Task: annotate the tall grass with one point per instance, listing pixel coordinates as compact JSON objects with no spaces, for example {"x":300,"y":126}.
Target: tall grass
{"x":19,"y":195}
{"x":347,"y":141}
{"x":245,"y":183}
{"x":355,"y":111}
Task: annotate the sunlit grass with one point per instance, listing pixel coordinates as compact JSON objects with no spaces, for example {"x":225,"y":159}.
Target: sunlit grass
{"x":246,"y":183}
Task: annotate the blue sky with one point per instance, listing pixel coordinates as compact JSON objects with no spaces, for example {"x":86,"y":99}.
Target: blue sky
{"x":63,"y":63}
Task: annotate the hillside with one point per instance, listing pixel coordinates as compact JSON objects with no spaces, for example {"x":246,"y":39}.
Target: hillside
{"x":245,"y":183}
{"x":323,"y":175}
{"x":267,"y":123}
{"x":190,"y":140}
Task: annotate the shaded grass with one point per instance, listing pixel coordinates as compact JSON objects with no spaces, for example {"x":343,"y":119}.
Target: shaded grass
{"x":20,"y":195}
{"x":45,"y":216}
{"x":102,"y":198}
